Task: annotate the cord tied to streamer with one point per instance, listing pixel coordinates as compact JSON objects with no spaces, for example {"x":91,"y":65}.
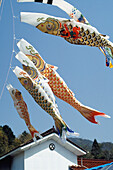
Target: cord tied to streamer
{"x":14,"y":39}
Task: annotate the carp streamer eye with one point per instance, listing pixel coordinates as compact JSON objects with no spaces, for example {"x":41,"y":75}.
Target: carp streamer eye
{"x":12,"y":91}
{"x":49,"y":26}
{"x":34,"y":61}
{"x":19,"y":93}
{"x":25,"y":82}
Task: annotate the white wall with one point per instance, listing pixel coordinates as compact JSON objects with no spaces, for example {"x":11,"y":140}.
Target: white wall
{"x":18,"y":162}
{"x":41,"y":157}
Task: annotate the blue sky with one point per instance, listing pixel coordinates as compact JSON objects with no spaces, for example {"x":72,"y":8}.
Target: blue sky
{"x":82,"y":68}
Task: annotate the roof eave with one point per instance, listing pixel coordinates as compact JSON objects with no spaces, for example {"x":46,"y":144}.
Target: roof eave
{"x":68,"y":145}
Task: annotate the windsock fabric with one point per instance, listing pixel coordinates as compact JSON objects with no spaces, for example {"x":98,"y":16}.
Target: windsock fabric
{"x":74,"y":32}
{"x":22,"y":109}
{"x":77,"y":16}
{"x":44,"y":101}
{"x":57,"y":84}
{"x":35,"y":74}
{"x":0,"y":2}
{"x":65,"y":6}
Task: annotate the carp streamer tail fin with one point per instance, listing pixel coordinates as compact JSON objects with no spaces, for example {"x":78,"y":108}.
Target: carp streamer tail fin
{"x":34,"y":132}
{"x":90,"y":114}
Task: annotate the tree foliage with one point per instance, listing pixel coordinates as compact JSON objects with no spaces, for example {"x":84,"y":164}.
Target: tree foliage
{"x":3,"y":143}
{"x":8,"y":141}
{"x":95,"y":151}
{"x":101,"y":151}
{"x":24,"y":137}
{"x":9,"y":133}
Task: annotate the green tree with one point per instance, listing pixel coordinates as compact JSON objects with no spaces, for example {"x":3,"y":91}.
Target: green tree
{"x":3,"y":143}
{"x":104,"y":155}
{"x":16,"y":142}
{"x":8,"y":141}
{"x":95,"y":151}
{"x":9,"y":133}
{"x":24,"y":137}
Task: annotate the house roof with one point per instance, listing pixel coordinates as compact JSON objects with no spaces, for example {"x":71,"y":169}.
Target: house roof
{"x":49,"y":134}
{"x":91,"y":163}
{"x":104,"y":167}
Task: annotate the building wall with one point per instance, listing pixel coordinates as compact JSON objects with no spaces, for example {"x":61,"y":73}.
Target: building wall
{"x":5,"y":164}
{"x":41,"y":157}
{"x":18,"y":162}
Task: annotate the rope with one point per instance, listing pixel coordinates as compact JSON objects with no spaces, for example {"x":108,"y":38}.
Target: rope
{"x":2,"y":9}
{"x":12,"y":50}
{"x":0,"y":2}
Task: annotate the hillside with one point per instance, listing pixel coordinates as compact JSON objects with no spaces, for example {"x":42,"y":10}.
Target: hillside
{"x":84,"y":143}
{"x":9,"y":141}
{"x":95,"y":150}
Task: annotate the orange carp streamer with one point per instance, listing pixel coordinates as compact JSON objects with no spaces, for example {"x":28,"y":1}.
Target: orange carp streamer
{"x":22,"y":109}
{"x":57,"y":84}
{"x":42,"y":99}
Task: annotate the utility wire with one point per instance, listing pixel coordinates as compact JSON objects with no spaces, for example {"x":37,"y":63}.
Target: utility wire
{"x":12,"y":50}
{"x":2,"y":7}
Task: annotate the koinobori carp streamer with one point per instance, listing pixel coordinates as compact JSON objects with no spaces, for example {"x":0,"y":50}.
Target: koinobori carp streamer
{"x":22,"y":109}
{"x":57,"y":84}
{"x":41,"y":98}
